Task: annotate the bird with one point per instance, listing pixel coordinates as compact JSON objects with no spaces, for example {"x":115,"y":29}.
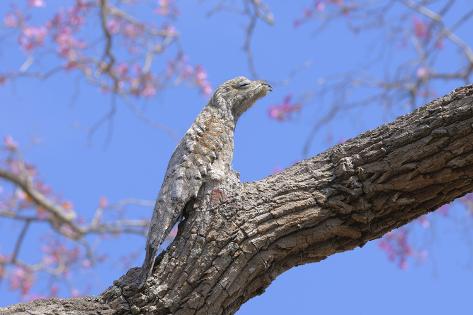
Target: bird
{"x":204,"y":155}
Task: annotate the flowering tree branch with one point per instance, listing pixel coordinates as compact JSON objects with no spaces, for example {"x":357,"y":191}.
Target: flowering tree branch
{"x":416,"y":30}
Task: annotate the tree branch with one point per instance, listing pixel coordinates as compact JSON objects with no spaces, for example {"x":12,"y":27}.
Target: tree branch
{"x":61,"y":215}
{"x":229,"y":250}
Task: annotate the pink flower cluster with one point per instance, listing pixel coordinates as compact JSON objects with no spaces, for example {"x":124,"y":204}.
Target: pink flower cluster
{"x":420,"y":29}
{"x":9,"y":143}
{"x":166,"y":8}
{"x":62,"y":32}
{"x":200,"y":79}
{"x":22,"y":279}
{"x":117,"y":25}
{"x":284,"y":110}
{"x":61,"y":27}
{"x":396,"y":246}
{"x":135,"y":81}
{"x":185,"y":72}
{"x":13,"y":19}
{"x":59,"y":257}
{"x":32,"y":37}
{"x":319,"y":6}
{"x":423,"y":73}
{"x":36,"y":3}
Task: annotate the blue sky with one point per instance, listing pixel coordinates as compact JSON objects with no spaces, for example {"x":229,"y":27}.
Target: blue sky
{"x":51,"y":123}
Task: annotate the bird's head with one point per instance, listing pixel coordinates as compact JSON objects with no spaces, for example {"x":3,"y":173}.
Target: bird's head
{"x":239,"y":94}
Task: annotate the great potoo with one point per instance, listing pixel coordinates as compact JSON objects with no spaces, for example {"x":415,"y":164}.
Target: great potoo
{"x":204,"y":154}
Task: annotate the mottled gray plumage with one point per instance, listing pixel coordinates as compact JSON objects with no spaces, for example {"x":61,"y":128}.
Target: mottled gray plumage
{"x":204,"y":154}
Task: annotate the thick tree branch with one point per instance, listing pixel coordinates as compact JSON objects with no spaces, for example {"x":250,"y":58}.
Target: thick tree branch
{"x":60,"y":214}
{"x":231,"y":248}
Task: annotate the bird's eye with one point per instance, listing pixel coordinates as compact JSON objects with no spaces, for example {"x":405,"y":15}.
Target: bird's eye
{"x":243,"y":84}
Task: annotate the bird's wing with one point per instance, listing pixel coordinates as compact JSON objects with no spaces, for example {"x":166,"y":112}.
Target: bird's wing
{"x":187,"y":169}
{"x":182,"y":182}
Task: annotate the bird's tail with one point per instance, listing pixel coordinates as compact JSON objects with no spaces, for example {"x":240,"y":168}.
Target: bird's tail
{"x":148,"y":263}
{"x":156,"y":235}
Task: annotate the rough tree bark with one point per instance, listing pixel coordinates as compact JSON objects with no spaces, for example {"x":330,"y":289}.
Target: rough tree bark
{"x":243,"y":235}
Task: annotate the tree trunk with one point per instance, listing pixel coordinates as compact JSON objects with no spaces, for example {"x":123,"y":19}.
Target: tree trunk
{"x":241,"y":236}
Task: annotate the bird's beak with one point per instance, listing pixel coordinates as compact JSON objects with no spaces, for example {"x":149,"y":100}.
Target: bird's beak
{"x":268,"y":86}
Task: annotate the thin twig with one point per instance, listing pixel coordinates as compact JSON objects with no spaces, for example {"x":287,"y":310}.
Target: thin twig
{"x":19,"y":241}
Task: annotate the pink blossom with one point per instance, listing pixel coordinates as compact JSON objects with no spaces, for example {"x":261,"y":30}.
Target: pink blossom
{"x":11,"y":20}
{"x":83,"y":4}
{"x":122,"y":70}
{"x":41,"y":213}
{"x":163,"y":7}
{"x":67,"y":44}
{"x":74,"y":16}
{"x":423,"y":73}
{"x":71,"y":64}
{"x":403,"y":264}
{"x":283,"y":111}
{"x":148,"y":90}
{"x":32,"y":37}
{"x":22,"y":279}
{"x":171,"y":68}
{"x":308,"y":13}
{"x":35,"y":32}
{"x":86,"y":263}
{"x":40,"y":186}
{"x":113,"y":26}
{"x":57,"y":254}
{"x":420,"y":28}
{"x":187,"y":72}
{"x":206,"y":89}
{"x":170,"y":31}
{"x":3,"y":79}
{"x":132,"y":31}
{"x":166,"y":8}
{"x":200,"y":76}
{"x":36,"y":3}
{"x":20,"y":194}
{"x":424,"y":221}
{"x":144,"y":85}
{"x":67,"y":206}
{"x":53,"y":290}
{"x":10,"y":143}
{"x":396,"y":246}
{"x":320,"y":6}
{"x":103,"y":202}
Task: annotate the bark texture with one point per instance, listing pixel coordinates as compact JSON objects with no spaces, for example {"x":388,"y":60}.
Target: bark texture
{"x":241,"y":236}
